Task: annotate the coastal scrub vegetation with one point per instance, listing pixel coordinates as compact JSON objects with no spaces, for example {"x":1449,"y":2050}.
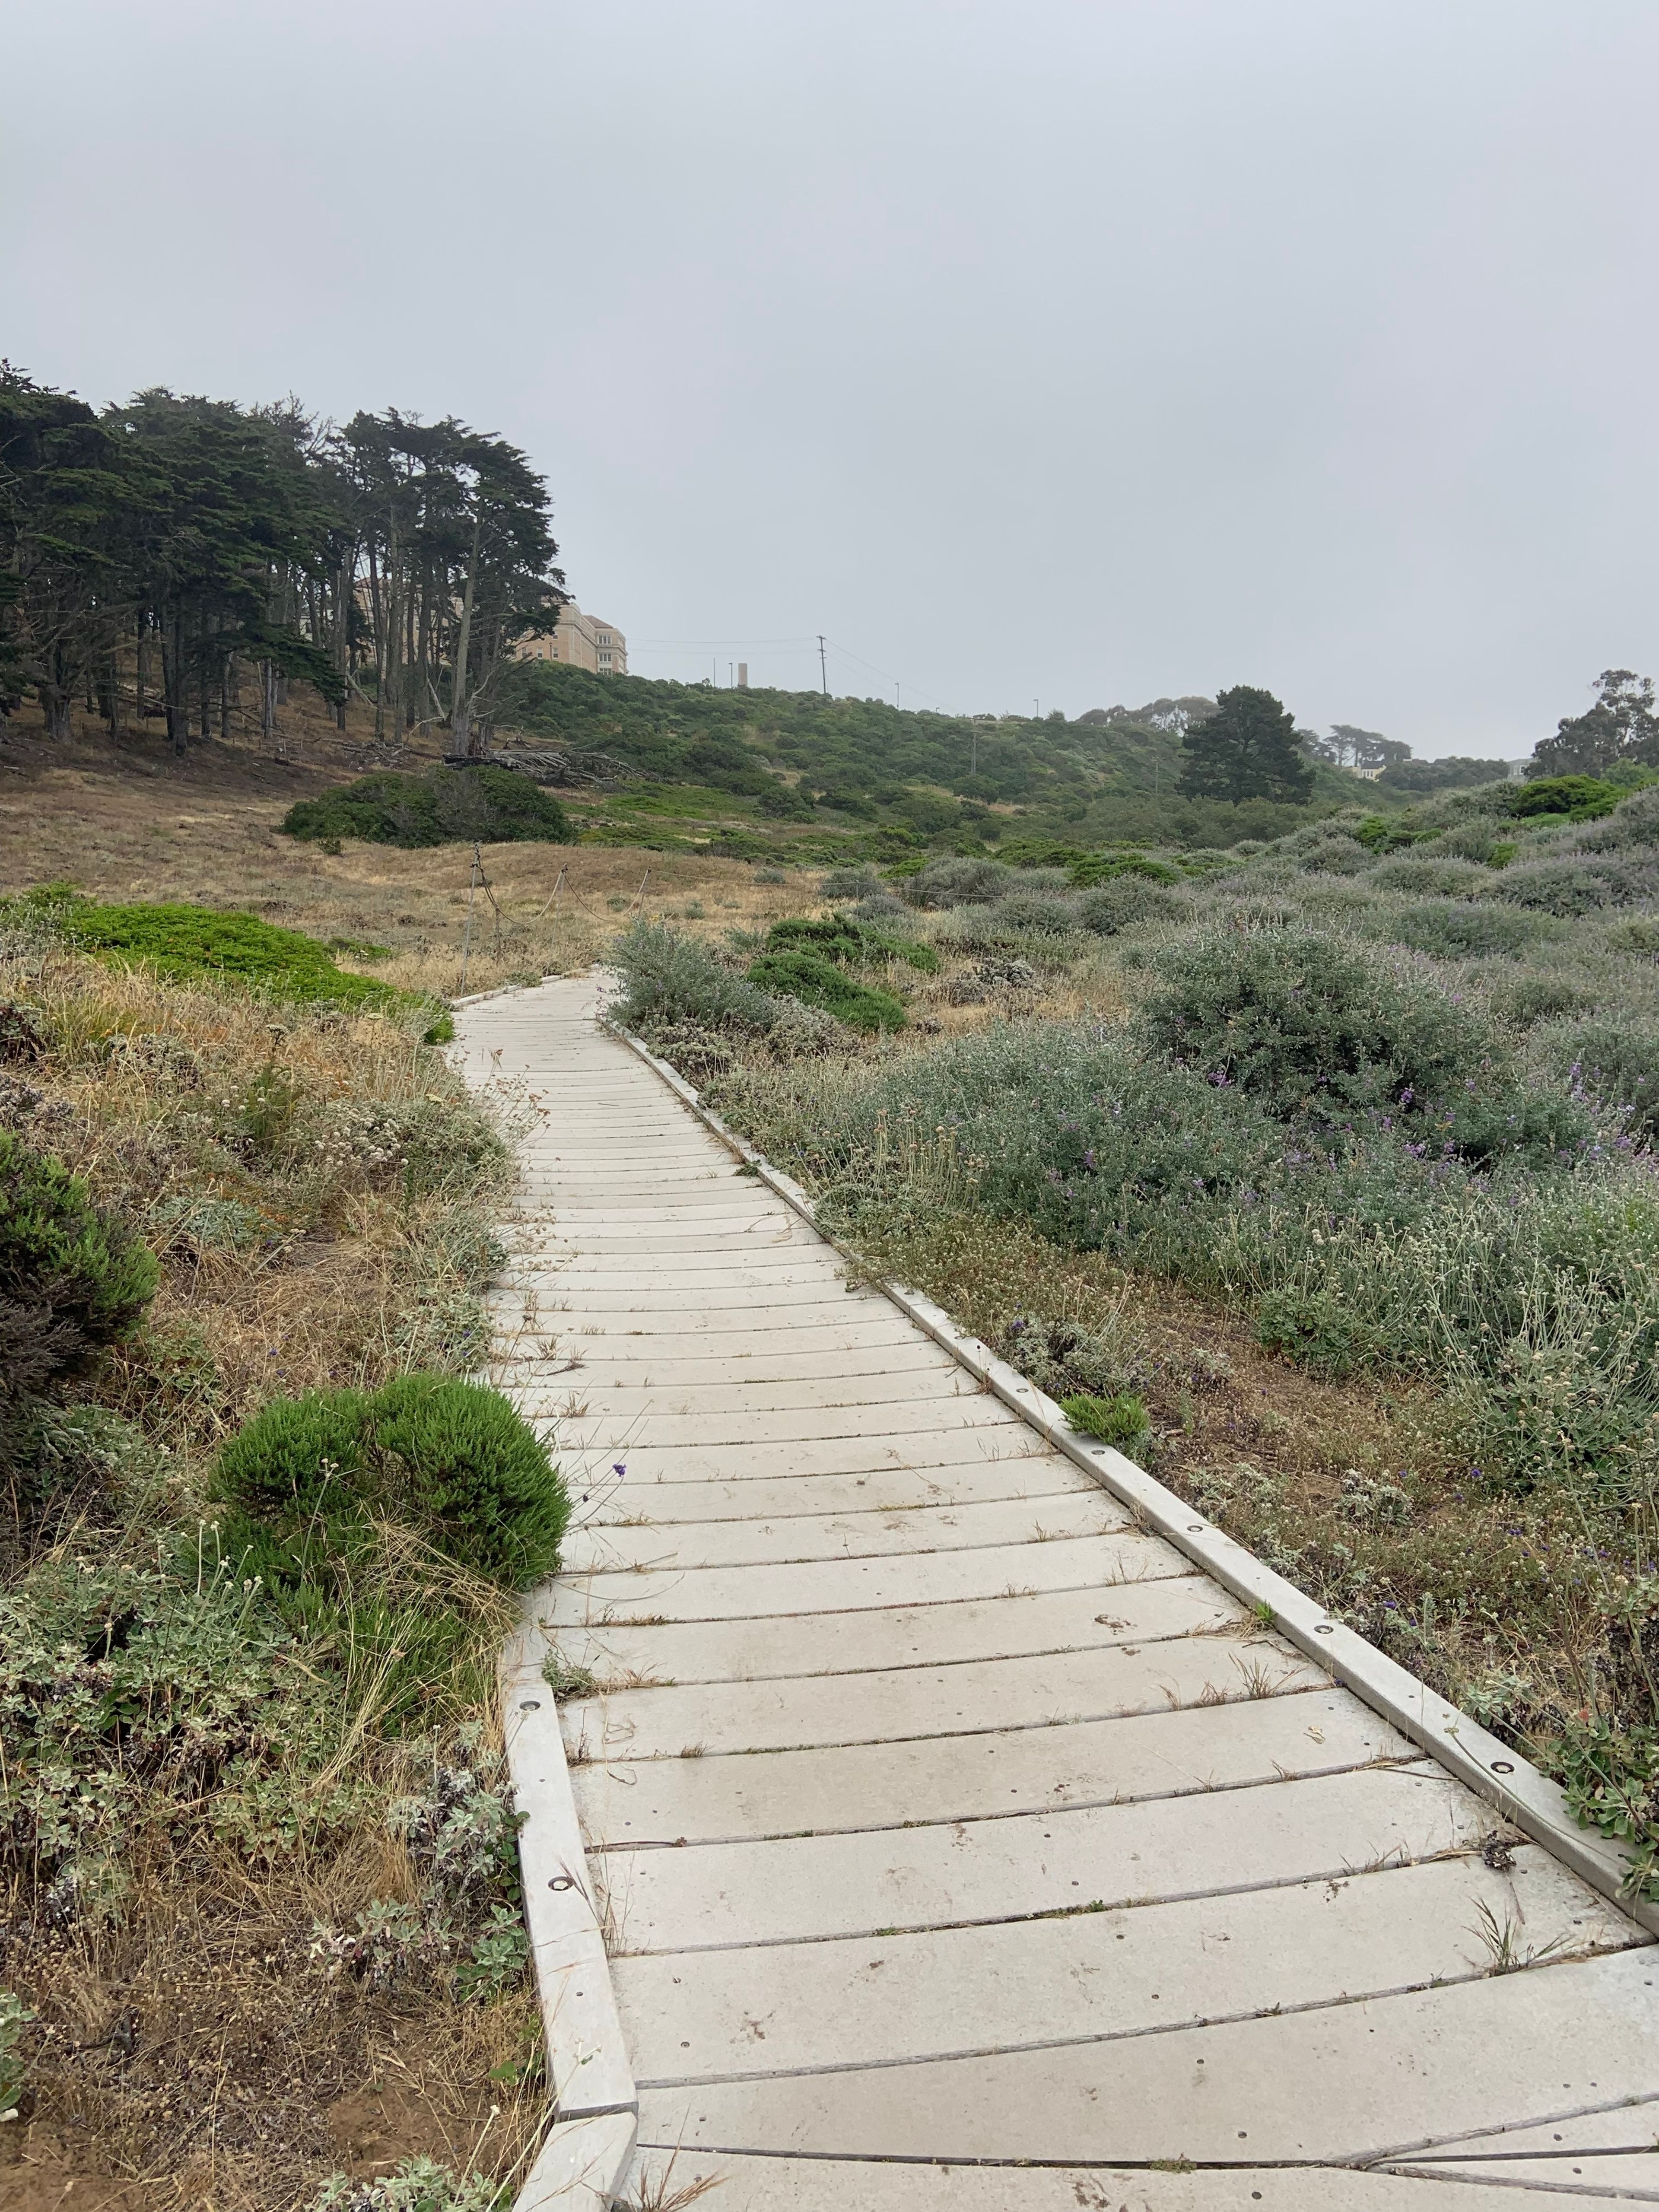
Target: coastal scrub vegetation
{"x":260,"y":1534}
{"x":187,"y":943}
{"x":1342,"y":1119}
{"x":445,"y":806}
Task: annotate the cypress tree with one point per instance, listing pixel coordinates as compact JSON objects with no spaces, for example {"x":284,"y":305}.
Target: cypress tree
{"x":1247,"y":748}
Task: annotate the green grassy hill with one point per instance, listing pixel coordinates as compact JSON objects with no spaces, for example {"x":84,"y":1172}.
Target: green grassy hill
{"x":796,"y":769}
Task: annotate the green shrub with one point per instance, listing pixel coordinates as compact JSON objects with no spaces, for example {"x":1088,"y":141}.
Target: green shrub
{"x":1111,"y":867}
{"x":72,"y":1280}
{"x":671,"y":978}
{"x":1301,"y":1021}
{"x":296,"y":1453}
{"x":1615,"y":1062}
{"x":1536,"y":997}
{"x":450,"y":1460}
{"x":1579,"y":798}
{"x":848,"y":942}
{"x":1611,"y":1776}
{"x":882,"y":945}
{"x":1572,"y":883}
{"x":476,"y":1474}
{"x":1123,"y":902}
{"x":1314,"y":1329}
{"x":820,"y":983}
{"x":15,"y":2017}
{"x":447,"y":806}
{"x":1380,"y":833}
{"x":958,"y":881}
{"x":187,"y":944}
{"x":1439,"y":875}
{"x":1460,"y":930}
{"x":1121,"y":1420}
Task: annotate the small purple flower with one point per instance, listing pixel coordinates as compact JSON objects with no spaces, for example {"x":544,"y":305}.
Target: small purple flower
{"x":618,"y":1469}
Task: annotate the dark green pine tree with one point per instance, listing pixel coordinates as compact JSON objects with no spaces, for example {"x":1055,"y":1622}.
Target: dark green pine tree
{"x":1247,"y":748}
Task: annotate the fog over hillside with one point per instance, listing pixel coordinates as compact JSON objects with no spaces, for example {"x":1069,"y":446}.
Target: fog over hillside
{"x":1154,"y":347}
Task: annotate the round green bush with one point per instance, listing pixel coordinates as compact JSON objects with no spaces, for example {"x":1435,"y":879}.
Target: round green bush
{"x":1449,"y":929}
{"x":1299,"y":1020}
{"x":1579,"y":796}
{"x":1119,"y":1419}
{"x":845,"y":939}
{"x":476,"y":1473}
{"x":449,"y":807}
{"x":311,"y":1476}
{"x":1121,"y":902}
{"x":819,"y":983}
{"x":72,"y":1280}
{"x":282,"y":1465}
{"x":832,"y":936}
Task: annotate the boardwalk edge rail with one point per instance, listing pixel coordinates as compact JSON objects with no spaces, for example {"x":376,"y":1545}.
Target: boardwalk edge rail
{"x":1494,"y":1770}
{"x":586,"y":2153}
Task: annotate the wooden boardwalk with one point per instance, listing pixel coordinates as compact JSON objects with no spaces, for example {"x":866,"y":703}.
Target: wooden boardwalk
{"x":958,"y":1844}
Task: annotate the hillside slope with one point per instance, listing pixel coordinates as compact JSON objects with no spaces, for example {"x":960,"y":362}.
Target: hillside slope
{"x":844,"y":765}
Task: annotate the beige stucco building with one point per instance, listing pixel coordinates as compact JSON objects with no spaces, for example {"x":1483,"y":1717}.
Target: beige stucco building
{"x":580,"y":641}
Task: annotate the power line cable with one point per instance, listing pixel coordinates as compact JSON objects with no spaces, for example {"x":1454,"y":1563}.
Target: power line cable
{"x":848,"y":654}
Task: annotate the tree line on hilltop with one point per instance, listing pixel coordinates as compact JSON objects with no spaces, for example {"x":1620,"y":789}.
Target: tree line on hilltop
{"x":1247,"y":745}
{"x":156,"y":554}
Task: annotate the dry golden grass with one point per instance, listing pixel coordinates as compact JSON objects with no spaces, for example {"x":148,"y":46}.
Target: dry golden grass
{"x":132,"y":823}
{"x":1357,"y":1490}
{"x":325,"y":1297}
{"x":190,"y":2051}
{"x":202,"y":2058}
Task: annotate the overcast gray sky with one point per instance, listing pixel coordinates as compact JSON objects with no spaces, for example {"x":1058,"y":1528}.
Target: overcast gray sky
{"x":1071,"y":350}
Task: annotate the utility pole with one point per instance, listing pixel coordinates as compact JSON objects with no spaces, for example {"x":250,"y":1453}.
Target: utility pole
{"x":896,"y":695}
{"x":823,"y":672}
{"x":1037,"y":710}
